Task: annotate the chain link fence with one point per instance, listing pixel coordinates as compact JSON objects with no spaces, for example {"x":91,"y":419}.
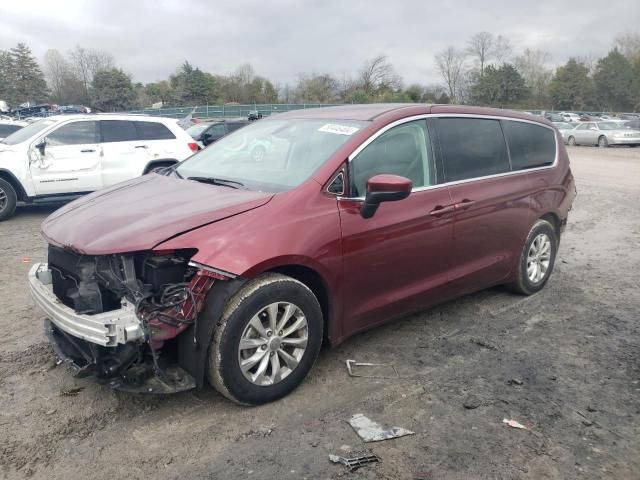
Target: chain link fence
{"x":228,"y":110}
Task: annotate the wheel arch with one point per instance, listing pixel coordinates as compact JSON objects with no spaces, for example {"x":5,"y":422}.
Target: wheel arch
{"x":318,"y":286}
{"x":554,"y":220}
{"x":15,"y":183}
{"x":157,"y":162}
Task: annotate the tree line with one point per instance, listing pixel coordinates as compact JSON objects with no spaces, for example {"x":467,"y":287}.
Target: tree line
{"x":485,"y":71}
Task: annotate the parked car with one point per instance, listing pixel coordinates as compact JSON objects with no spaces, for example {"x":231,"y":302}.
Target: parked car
{"x":236,"y":271}
{"x":7,"y":127}
{"x":603,"y":134}
{"x":67,"y":109}
{"x":632,"y":124}
{"x":62,"y":157}
{"x":206,"y":133}
{"x":570,"y":117}
{"x":40,"y":110}
{"x":564,"y":128}
{"x":629,"y":116}
{"x":554,"y":117}
{"x":254,"y":115}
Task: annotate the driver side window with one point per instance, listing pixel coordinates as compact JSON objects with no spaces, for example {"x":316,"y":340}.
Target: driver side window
{"x":76,"y":133}
{"x":404,"y":150}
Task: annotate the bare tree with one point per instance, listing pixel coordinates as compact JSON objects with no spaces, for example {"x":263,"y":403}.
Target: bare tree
{"x":532,"y":65}
{"x":480,"y":48}
{"x":502,"y":49}
{"x":450,"y":63}
{"x":86,"y":62}
{"x":629,"y":45}
{"x":378,"y":75}
{"x":56,"y":70}
{"x":316,"y":88}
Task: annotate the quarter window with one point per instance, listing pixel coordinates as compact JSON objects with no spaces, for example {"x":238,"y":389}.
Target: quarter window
{"x":404,"y":150}
{"x":76,"y":133}
{"x":530,"y":145}
{"x":153,"y":131}
{"x":471,"y":147}
{"x":118,"y":131}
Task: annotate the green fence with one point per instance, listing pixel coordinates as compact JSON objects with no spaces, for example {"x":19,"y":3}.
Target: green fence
{"x":220,"y":111}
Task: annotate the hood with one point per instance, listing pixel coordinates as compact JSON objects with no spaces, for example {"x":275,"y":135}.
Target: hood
{"x":141,"y":213}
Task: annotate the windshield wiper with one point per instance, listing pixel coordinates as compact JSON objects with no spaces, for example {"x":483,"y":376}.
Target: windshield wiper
{"x":223,"y":182}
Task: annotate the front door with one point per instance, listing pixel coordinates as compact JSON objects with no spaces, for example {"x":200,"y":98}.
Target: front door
{"x":71,"y":160}
{"x":396,"y":261}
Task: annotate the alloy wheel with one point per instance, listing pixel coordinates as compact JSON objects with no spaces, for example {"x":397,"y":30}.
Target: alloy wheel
{"x":273,"y":343}
{"x":539,"y":258}
{"x":3,"y":199}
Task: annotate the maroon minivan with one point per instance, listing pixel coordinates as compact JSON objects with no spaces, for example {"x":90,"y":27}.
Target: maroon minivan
{"x":236,"y":269}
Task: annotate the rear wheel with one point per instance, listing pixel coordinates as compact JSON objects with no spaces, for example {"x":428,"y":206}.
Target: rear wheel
{"x":537,"y":259}
{"x":603,"y":142}
{"x":572,"y":141}
{"x":266,"y":341}
{"x":8,"y":199}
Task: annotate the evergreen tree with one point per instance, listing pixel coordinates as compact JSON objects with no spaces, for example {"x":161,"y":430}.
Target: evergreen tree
{"x":502,"y":86}
{"x":613,"y":80}
{"x":112,"y":90}
{"x":28,"y":79}
{"x":571,"y":88}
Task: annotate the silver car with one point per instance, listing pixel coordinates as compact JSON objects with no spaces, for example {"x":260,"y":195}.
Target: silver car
{"x":602,"y":134}
{"x":564,"y":128}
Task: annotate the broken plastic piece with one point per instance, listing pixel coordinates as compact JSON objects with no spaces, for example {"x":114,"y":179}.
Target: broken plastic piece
{"x":370,"y":431}
{"x":514,"y":424}
{"x":355,"y":460}
{"x":352,"y":365}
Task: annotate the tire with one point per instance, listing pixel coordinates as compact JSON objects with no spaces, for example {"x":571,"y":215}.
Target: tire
{"x":244,"y":310}
{"x":572,"y":141}
{"x":531,"y":280}
{"x":603,"y":142}
{"x":8,"y":200}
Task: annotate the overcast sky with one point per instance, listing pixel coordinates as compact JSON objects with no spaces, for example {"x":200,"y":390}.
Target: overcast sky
{"x":283,"y":38}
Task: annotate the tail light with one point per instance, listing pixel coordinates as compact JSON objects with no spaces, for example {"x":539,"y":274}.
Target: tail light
{"x":193,"y":147}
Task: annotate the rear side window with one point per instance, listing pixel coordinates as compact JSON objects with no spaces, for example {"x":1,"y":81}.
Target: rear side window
{"x":76,"y":133}
{"x":530,"y":145}
{"x":472,"y":147}
{"x":153,"y":131}
{"x":118,"y":131}
{"x":6,"y":130}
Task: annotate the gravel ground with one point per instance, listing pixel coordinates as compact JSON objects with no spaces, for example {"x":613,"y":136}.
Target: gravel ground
{"x":565,"y":362}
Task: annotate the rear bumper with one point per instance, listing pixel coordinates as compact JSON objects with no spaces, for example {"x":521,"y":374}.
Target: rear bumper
{"x":108,"y":329}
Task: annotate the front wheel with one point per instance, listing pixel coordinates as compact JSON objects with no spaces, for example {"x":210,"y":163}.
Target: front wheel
{"x":572,"y":141}
{"x":603,"y":142}
{"x":8,"y":200}
{"x":537,"y":259}
{"x":266,"y":341}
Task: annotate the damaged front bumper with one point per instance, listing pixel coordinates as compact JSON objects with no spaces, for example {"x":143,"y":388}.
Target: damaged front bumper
{"x":110,"y":346}
{"x":108,"y":329}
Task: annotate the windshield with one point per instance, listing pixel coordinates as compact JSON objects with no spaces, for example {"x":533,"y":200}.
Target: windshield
{"x":197,"y":129}
{"x":271,"y":155}
{"x":608,"y":126}
{"x":27,"y":132}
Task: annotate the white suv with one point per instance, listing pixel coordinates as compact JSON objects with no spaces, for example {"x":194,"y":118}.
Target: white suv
{"x":61,"y":157}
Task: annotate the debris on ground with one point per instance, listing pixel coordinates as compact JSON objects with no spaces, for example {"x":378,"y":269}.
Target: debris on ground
{"x":514,"y":381}
{"x":514,"y":424}
{"x":355,"y":460}
{"x":484,"y":344}
{"x":70,"y":391}
{"x":372,"y":370}
{"x":371,"y":431}
{"x":472,"y":402}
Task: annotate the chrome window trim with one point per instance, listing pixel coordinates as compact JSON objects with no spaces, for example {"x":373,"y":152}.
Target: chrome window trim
{"x":333,"y":179}
{"x":458,"y":115}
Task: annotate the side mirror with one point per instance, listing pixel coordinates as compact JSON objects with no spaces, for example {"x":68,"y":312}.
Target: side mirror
{"x":41,"y":146}
{"x":384,"y":188}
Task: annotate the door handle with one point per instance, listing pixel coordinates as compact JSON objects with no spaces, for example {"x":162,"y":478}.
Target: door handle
{"x":141,"y":146}
{"x":88,"y":150}
{"x":440,"y":210}
{"x":464,"y":204}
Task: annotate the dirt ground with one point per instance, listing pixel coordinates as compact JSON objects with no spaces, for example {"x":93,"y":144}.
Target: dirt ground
{"x":566,"y":362}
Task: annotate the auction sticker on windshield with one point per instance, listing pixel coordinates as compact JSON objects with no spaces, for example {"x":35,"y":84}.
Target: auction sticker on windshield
{"x":338,"y":129}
